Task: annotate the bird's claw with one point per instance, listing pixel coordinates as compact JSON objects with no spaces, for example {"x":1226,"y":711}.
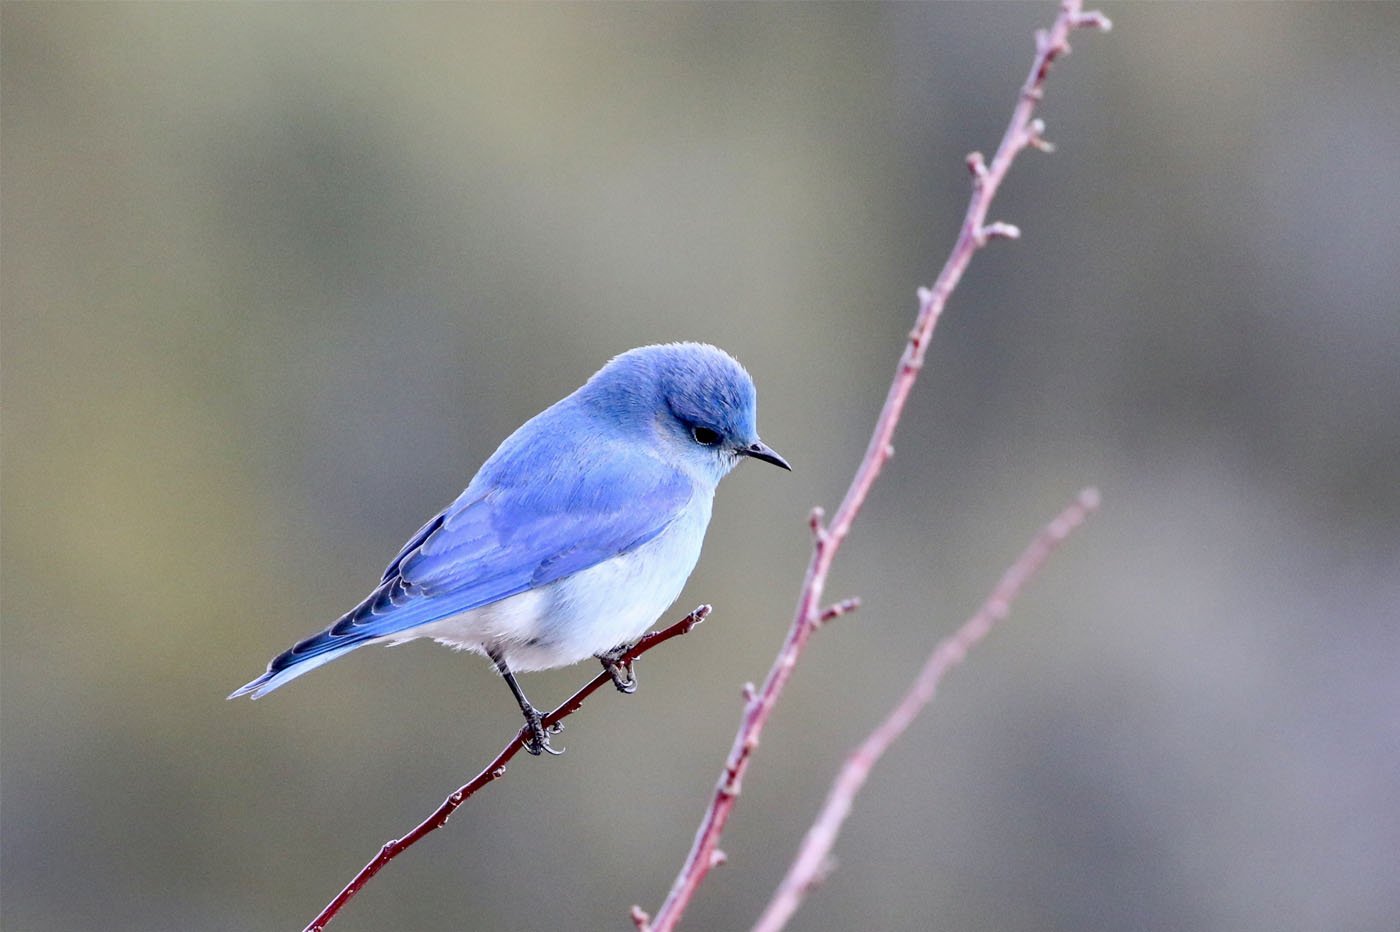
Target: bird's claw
{"x":538,"y":742}
{"x":623,"y":675}
{"x":538,"y":745}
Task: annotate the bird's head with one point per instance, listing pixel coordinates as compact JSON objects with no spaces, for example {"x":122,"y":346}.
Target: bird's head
{"x":695,"y":399}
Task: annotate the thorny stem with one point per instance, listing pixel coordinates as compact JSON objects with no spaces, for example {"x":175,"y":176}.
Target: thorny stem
{"x":1022,"y":132}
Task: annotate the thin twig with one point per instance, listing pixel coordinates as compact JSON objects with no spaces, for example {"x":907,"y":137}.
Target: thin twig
{"x":811,"y":865}
{"x":1022,"y":132}
{"x":496,"y":768}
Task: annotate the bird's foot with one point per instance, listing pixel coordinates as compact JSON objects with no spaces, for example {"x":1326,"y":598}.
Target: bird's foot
{"x":538,"y":742}
{"x":624,"y":677}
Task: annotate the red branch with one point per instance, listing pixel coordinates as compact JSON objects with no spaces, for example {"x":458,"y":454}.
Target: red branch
{"x":813,"y":857}
{"x":496,"y":768}
{"x":1022,"y":132}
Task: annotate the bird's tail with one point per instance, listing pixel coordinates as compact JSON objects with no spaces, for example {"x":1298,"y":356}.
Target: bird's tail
{"x":304,"y":657}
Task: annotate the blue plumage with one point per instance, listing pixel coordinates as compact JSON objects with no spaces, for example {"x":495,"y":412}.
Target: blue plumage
{"x":575,"y":534}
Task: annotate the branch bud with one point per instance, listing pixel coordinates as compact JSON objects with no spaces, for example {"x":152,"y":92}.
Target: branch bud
{"x":997,"y":230}
{"x":1036,"y":136}
{"x":977,"y":164}
{"x":1092,"y":20}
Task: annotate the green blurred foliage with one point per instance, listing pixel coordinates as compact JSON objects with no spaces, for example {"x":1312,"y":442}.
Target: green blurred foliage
{"x":276,"y":278}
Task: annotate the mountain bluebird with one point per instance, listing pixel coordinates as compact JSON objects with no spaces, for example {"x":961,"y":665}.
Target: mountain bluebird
{"x":576,"y":534}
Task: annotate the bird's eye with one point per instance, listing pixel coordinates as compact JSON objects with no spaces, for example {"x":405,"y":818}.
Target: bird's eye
{"x":704,"y":436}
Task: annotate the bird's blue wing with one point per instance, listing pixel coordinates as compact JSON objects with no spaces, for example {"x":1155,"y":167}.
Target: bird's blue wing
{"x":501,"y":538}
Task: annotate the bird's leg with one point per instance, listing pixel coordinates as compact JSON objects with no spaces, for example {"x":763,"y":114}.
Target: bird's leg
{"x":539,"y":736}
{"x":624,"y":677}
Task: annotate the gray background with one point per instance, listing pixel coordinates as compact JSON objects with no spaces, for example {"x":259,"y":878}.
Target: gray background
{"x":277,"y":278}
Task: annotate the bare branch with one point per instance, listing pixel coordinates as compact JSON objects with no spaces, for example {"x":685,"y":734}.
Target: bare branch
{"x":496,"y":769}
{"x":1020,"y":133}
{"x":813,"y":861}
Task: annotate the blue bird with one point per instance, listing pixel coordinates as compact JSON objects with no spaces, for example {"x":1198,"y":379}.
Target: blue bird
{"x":574,"y":536}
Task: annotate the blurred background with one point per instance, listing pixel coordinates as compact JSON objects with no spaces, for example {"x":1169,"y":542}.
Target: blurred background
{"x":277,"y":278}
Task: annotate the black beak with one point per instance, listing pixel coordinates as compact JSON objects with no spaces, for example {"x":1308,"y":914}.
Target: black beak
{"x":762,"y":451}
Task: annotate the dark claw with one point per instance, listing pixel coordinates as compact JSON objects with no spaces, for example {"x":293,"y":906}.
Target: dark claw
{"x":536,"y":745}
{"x":539,"y":735}
{"x":624,"y":677}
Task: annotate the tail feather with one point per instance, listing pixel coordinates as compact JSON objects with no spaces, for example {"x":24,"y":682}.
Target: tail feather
{"x":363,"y":624}
{"x":302,"y":658}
